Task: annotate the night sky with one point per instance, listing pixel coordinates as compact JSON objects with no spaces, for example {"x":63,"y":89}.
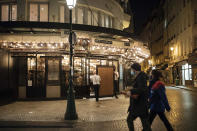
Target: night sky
{"x":141,"y":10}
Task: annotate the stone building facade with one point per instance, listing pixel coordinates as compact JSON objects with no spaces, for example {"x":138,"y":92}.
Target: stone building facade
{"x":172,"y":40}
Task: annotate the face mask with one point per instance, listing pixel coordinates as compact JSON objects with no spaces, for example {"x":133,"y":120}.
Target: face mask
{"x":132,"y":73}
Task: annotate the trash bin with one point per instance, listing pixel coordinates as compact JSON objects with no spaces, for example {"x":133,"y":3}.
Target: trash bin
{"x":177,"y":82}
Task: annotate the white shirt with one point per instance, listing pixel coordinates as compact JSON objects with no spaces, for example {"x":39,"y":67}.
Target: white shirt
{"x":95,"y":79}
{"x":116,"y":75}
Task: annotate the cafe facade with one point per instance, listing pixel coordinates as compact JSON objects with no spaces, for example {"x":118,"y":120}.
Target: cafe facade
{"x":35,"y":49}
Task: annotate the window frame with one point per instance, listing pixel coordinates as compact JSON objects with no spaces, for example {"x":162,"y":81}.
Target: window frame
{"x":38,"y":3}
{"x":9,"y":11}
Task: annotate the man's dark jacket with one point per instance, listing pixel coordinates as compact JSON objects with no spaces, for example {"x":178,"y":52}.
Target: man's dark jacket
{"x":139,"y":106}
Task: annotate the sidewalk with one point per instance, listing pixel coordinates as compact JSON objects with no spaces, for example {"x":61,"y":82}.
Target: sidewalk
{"x":88,"y":110}
{"x":107,"y":114}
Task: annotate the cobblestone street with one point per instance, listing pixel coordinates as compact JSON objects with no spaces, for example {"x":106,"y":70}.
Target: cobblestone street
{"x":107,"y":114}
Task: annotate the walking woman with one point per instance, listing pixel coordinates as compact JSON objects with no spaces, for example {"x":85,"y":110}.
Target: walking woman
{"x":158,"y":100}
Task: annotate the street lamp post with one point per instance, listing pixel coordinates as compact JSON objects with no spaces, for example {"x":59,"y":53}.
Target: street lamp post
{"x":71,"y":113}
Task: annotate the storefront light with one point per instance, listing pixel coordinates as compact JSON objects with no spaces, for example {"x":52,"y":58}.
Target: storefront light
{"x":4,"y":44}
{"x":49,"y":45}
{"x":172,"y":48}
{"x":61,"y":44}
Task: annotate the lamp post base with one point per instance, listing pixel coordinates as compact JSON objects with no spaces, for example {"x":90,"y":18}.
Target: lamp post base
{"x":71,"y":113}
{"x":70,"y":116}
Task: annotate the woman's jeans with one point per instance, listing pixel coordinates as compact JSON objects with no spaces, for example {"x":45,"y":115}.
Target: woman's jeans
{"x":162,"y":116}
{"x":144,"y":119}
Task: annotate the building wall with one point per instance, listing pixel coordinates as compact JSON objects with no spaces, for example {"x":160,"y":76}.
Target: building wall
{"x":176,"y":30}
{"x":101,"y":11}
{"x":178,"y":33}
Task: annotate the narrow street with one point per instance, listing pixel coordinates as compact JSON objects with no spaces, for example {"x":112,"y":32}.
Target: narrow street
{"x":108,"y":114}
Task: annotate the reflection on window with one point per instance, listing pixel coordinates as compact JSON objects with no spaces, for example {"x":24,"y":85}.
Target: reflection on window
{"x":62,"y":14}
{"x":43,"y":12}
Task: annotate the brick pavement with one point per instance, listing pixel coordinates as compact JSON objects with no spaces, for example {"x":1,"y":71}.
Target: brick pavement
{"x":107,"y":114}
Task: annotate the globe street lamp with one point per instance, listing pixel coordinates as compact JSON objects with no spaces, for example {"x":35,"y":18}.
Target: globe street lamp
{"x":71,"y":113}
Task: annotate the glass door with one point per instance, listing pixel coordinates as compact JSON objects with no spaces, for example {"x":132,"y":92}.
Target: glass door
{"x":31,"y":77}
{"x":53,"y":89}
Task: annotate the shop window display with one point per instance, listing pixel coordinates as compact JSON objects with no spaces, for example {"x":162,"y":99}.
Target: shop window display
{"x":186,"y":73}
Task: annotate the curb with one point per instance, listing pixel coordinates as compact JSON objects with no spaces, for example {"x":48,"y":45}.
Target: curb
{"x":184,"y":88}
{"x":52,"y":124}
{"x":36,"y":124}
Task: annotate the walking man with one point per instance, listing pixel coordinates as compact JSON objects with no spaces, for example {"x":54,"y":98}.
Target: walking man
{"x":116,"y":77}
{"x":95,"y":78}
{"x":138,"y":99}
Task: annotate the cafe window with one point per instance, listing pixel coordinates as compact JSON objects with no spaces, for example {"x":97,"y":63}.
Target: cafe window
{"x":13,"y":12}
{"x":38,"y":12}
{"x":73,"y":16}
{"x":8,"y":12}
{"x":43,"y":12}
{"x":33,"y":12}
{"x":102,"y":20}
{"x":62,"y":19}
{"x":80,"y":16}
{"x":95,"y":18}
{"x":89,"y":18}
{"x":110,"y":22}
{"x":106,"y":21}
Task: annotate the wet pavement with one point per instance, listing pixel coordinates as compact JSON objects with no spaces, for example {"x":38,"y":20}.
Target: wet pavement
{"x":109,"y":114}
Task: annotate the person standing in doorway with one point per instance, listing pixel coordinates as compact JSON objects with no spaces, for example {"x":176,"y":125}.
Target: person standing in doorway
{"x":158,"y":100}
{"x":96,"y":79}
{"x":138,"y":99}
{"x":116,"y":77}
